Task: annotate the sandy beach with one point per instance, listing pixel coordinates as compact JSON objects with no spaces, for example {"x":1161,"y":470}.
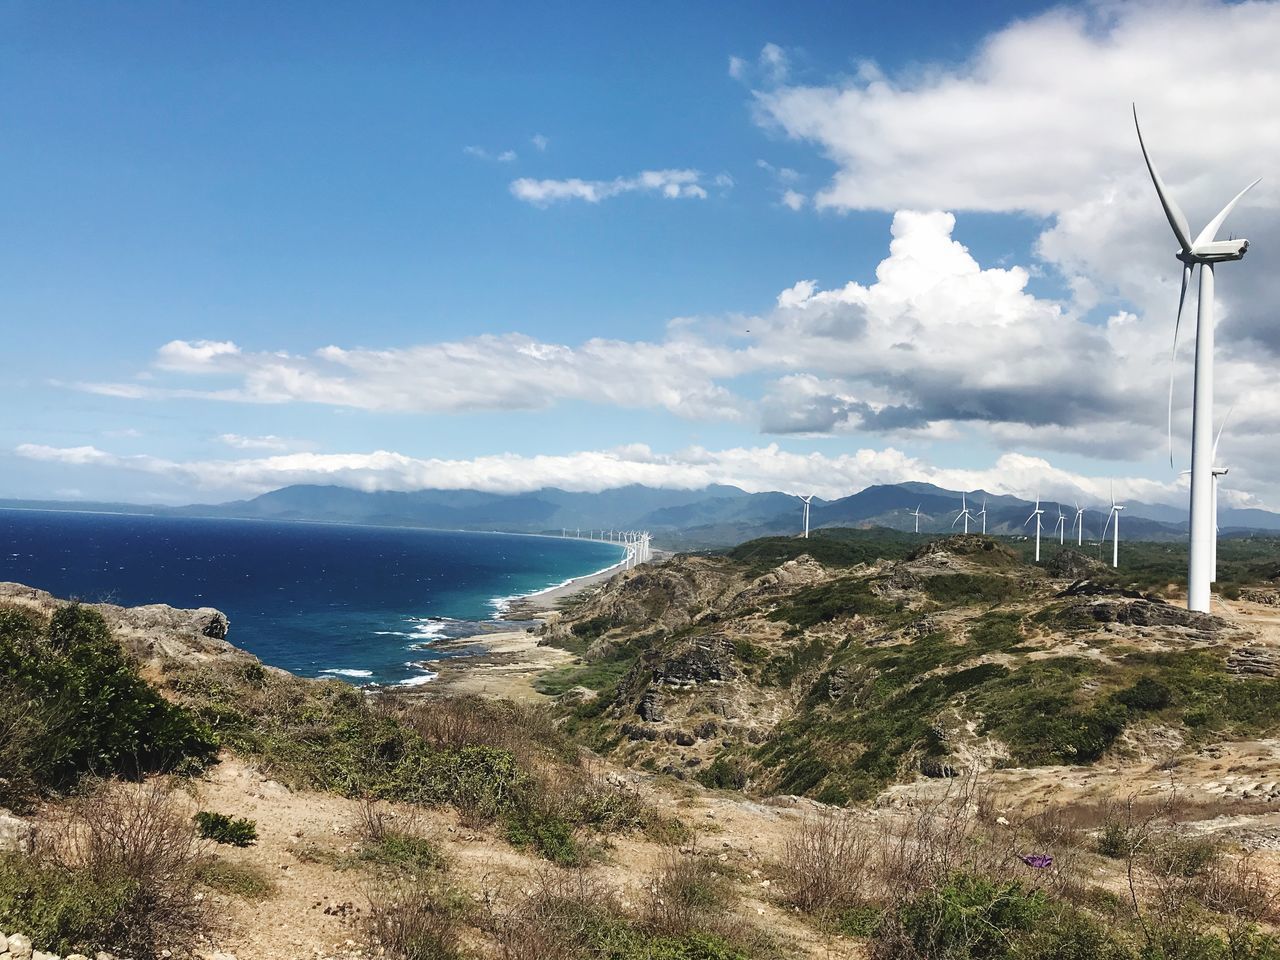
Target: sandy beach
{"x":505,"y":664}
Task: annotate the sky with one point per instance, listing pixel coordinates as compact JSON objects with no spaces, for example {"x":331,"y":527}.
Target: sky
{"x":806,"y":248}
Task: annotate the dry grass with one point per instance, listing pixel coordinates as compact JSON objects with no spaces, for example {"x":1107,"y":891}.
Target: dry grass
{"x":414,"y":919}
{"x":826,"y":862}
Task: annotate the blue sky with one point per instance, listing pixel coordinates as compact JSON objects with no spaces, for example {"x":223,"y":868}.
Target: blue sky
{"x":290,"y":177}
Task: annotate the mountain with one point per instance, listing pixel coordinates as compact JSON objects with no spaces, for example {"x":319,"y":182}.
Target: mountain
{"x":713,"y":516}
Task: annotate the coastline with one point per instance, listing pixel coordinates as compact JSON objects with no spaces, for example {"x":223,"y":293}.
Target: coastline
{"x":506,"y":663}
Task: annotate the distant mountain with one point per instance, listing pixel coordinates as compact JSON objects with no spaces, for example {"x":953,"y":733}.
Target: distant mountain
{"x":681,"y":519}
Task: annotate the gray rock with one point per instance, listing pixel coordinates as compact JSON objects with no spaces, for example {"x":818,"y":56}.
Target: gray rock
{"x":16,"y":834}
{"x":19,"y":946}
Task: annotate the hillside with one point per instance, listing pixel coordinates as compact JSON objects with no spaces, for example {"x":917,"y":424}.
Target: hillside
{"x":868,"y":661}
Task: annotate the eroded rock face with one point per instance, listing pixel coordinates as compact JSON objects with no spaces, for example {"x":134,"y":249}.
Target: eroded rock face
{"x":695,"y":661}
{"x":159,"y":637}
{"x":1073,"y":565}
{"x":1148,"y":613}
{"x":1255,"y":661}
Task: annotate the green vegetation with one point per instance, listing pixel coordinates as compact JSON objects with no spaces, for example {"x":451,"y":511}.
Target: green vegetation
{"x":238,"y":879}
{"x":959,"y":589}
{"x":828,"y":601}
{"x":832,"y":548}
{"x":72,"y":703}
{"x":220,"y":828}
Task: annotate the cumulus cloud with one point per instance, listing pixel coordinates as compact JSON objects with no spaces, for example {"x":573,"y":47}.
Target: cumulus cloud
{"x":540,"y":143}
{"x":671,"y":184}
{"x":754,"y":469}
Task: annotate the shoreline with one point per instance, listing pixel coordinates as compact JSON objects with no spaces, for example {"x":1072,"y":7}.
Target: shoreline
{"x":505,"y":664}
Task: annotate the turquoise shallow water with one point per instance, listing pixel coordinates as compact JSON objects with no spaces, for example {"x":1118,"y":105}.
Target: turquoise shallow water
{"x":363,"y":603}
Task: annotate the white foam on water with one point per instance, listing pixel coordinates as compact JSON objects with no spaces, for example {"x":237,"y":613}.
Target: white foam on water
{"x":418,"y":680}
{"x":344,"y":672}
{"x":502,"y":604}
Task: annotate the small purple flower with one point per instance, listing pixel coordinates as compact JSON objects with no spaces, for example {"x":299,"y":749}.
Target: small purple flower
{"x":1038,"y":860}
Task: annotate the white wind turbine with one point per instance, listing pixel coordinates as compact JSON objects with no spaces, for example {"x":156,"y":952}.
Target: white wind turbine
{"x":1218,"y":471}
{"x":1204,"y":251}
{"x":1035,"y":515}
{"x":964,"y":514}
{"x":983,"y":514}
{"x":1079,"y":525}
{"x":806,"y":501}
{"x":1114,"y":514}
{"x":1061,"y":526}
{"x":916,"y":514}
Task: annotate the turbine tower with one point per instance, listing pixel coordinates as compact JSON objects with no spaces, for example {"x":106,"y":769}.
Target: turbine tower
{"x":806,"y":501}
{"x":1061,"y":526}
{"x":1035,"y":515}
{"x":983,"y":514}
{"x":963,"y":514}
{"x":1114,"y":514}
{"x":1079,"y":525}
{"x":1204,"y":251}
{"x":917,"y":516}
{"x":1217,"y":472}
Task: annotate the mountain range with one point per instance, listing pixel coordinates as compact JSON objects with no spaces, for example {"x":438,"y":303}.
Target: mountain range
{"x":713,"y":516}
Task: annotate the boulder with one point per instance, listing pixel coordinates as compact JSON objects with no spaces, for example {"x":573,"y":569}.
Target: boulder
{"x":19,"y":946}
{"x":16,"y":834}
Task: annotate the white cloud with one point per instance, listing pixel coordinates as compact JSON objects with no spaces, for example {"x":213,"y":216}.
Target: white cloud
{"x":540,"y":143}
{"x":754,"y":469}
{"x":500,"y":156}
{"x":268,"y":442}
{"x":794,"y":200}
{"x":672,"y":184}
{"x":491,"y":372}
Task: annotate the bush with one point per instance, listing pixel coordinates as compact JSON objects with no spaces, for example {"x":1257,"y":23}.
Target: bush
{"x":969,"y":918}
{"x":75,"y":704}
{"x":413,"y":920}
{"x":221,"y":828}
{"x":238,"y":879}
{"x":686,"y":895}
{"x":391,"y":841}
{"x":825,"y":862}
{"x":120,"y":873}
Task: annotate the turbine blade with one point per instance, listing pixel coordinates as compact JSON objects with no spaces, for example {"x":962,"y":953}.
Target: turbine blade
{"x":1173,"y":357}
{"x":1177,"y":219}
{"x":1210,"y":232}
{"x":954,"y":522}
{"x":1106,"y":526}
{"x":1214,"y":459}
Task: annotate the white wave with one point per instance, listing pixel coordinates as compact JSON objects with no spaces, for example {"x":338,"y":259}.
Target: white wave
{"x":343,"y":672}
{"x":418,"y":680}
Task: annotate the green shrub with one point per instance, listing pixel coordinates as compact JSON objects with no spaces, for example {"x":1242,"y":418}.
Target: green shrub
{"x":724,"y":773}
{"x":1146,"y":695}
{"x":238,"y":879}
{"x":220,"y":828}
{"x":970,"y":918}
{"x":75,"y":704}
{"x":59,"y":908}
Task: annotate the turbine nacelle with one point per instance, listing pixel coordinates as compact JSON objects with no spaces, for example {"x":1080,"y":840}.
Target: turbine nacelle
{"x":1215,"y":251}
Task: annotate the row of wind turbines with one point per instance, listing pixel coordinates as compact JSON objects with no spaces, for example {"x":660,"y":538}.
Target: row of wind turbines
{"x":637,"y":543}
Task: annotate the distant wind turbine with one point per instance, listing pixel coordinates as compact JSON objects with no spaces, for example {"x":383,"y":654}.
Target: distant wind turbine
{"x":1204,"y":251}
{"x":964,"y":514}
{"x":1061,"y":526}
{"x":983,"y":514}
{"x":1114,"y":514}
{"x":806,"y":501}
{"x":917,"y":516}
{"x":1035,"y":515}
{"x":1079,"y":525}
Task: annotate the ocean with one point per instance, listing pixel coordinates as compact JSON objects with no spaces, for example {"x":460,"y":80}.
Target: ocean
{"x":367,"y":604}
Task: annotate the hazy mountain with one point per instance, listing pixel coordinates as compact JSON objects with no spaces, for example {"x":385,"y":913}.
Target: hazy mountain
{"x":682,"y":519}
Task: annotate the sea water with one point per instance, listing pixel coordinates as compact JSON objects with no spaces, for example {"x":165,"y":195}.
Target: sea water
{"x":364,"y":603}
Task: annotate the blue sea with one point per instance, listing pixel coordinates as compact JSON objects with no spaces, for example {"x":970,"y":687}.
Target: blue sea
{"x":368,"y":604}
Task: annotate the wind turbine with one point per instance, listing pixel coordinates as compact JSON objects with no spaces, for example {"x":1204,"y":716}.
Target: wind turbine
{"x":917,"y":516}
{"x":1061,"y":526}
{"x":806,"y":501}
{"x":1204,"y":251}
{"x":1035,"y":515}
{"x":1114,"y":514}
{"x":983,"y":514}
{"x":1079,"y":525}
{"x":1217,"y":472}
{"x":963,"y":514}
